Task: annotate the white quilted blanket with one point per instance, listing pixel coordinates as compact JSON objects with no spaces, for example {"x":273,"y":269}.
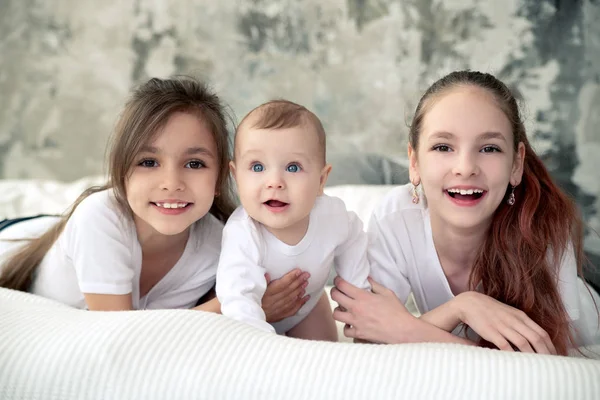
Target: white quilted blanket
{"x":50,"y":351}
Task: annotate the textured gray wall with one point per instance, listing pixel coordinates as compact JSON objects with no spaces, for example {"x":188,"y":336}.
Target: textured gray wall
{"x":67,"y":65}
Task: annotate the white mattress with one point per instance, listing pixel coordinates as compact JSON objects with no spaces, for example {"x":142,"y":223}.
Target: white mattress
{"x":50,"y":351}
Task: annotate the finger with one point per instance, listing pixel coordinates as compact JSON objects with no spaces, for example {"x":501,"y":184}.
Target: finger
{"x":340,"y":298}
{"x":518,"y":340}
{"x":343,"y":316}
{"x":291,"y":300}
{"x":497,"y":340}
{"x":347,"y":288}
{"x":376,"y":287}
{"x":538,"y":337}
{"x":349,"y":331}
{"x":289,"y":281}
{"x":268,"y":278}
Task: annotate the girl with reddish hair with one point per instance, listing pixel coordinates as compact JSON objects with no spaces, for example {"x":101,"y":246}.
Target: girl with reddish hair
{"x":487,"y":243}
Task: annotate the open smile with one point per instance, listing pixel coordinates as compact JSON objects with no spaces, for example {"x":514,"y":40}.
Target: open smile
{"x":171,"y":207}
{"x":276,"y":206}
{"x":465,"y":196}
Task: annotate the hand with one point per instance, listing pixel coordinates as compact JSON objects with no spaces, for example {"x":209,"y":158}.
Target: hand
{"x":376,"y":317}
{"x":502,"y":325}
{"x":284,"y":296}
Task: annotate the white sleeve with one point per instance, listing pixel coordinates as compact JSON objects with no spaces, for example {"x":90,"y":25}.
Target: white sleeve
{"x":567,"y":283}
{"x":351,"y":262}
{"x":99,"y":248}
{"x":386,"y":259}
{"x":241,"y":280}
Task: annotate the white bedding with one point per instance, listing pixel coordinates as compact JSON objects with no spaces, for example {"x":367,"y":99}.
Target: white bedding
{"x":50,"y":351}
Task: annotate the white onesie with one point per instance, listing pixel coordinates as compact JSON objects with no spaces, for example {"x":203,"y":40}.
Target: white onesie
{"x":98,"y":252}
{"x":335,"y":236}
{"x":403,"y":258}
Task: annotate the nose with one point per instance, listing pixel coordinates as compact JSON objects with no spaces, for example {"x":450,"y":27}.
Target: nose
{"x":275,"y":180}
{"x":171,"y":180}
{"x":466,"y":165}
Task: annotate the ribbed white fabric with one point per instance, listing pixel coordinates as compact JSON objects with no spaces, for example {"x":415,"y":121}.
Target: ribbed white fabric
{"x":49,"y":351}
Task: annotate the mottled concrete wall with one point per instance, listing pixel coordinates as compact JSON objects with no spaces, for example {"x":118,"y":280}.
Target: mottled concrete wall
{"x":67,"y":65}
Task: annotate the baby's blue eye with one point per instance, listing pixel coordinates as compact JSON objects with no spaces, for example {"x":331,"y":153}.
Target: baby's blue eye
{"x":258,"y":167}
{"x":293,"y":168}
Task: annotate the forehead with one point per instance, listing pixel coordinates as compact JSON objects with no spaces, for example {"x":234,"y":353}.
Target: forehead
{"x":465,"y":112}
{"x":182,"y":128}
{"x":298,"y":139}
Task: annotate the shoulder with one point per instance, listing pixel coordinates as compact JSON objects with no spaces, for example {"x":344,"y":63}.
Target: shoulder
{"x":98,"y":217}
{"x":98,"y":206}
{"x":239,"y":225}
{"x":209,"y":231}
{"x":396,"y":203}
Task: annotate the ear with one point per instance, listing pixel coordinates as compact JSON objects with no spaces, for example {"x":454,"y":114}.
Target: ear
{"x":518,"y":164}
{"x":413,"y":169}
{"x":324,"y":175}
{"x":232,"y":169}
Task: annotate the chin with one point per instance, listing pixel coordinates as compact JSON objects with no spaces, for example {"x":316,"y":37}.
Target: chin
{"x":170,"y":230}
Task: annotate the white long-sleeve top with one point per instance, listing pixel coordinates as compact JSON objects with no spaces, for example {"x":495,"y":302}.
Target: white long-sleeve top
{"x":335,"y":237}
{"x":403,"y":258}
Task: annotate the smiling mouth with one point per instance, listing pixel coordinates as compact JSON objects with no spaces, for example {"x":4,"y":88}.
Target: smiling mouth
{"x":275,"y":203}
{"x":172,"y":205}
{"x":469,"y":194}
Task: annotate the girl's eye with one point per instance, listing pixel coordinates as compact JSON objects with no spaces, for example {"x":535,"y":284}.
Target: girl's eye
{"x":490,"y":149}
{"x":196,"y":164}
{"x":441,"y":147}
{"x":148,"y":163}
{"x":258,"y":167}
{"x":293,"y":168}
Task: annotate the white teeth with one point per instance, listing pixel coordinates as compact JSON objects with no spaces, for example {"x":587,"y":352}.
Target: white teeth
{"x":171,"y":205}
{"x":465,"y":192}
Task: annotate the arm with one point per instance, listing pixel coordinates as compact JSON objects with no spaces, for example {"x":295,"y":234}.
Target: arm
{"x":283,"y":297}
{"x":351,"y":262}
{"x":108,"y":302}
{"x":241,"y":280}
{"x":380,"y":317}
{"x":99,"y":248}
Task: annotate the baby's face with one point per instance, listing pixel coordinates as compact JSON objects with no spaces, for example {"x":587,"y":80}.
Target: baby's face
{"x":279,"y":174}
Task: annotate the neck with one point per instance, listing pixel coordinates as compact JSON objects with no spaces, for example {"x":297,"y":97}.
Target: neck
{"x":153,"y":242}
{"x":291,"y":235}
{"x":456,"y":247}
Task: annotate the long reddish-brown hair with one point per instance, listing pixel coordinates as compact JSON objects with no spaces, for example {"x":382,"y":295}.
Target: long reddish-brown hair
{"x":518,"y":262}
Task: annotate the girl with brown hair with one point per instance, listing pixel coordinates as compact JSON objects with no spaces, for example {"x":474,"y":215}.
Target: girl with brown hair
{"x":482,"y":236}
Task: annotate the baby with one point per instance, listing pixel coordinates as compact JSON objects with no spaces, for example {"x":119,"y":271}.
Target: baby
{"x":285,"y":220}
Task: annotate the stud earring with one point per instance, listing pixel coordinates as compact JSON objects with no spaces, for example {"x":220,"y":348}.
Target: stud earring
{"x":511,"y":197}
{"x":415,"y":193}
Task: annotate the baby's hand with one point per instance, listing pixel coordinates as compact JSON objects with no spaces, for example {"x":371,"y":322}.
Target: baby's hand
{"x":285,"y":296}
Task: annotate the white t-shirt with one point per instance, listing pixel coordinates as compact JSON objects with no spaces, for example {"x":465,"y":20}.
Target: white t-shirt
{"x":335,"y":236}
{"x":403,"y":256}
{"x":98,"y":252}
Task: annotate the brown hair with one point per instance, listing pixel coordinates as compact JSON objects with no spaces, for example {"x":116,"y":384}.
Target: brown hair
{"x":282,"y":114}
{"x":146,"y":112}
{"x":513,"y":264}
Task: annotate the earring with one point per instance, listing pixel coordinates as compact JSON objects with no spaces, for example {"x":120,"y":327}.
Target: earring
{"x":415,"y":193}
{"x":511,"y":196}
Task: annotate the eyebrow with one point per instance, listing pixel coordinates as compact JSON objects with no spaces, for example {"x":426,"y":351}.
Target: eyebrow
{"x":485,"y":135}
{"x":190,"y":151}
